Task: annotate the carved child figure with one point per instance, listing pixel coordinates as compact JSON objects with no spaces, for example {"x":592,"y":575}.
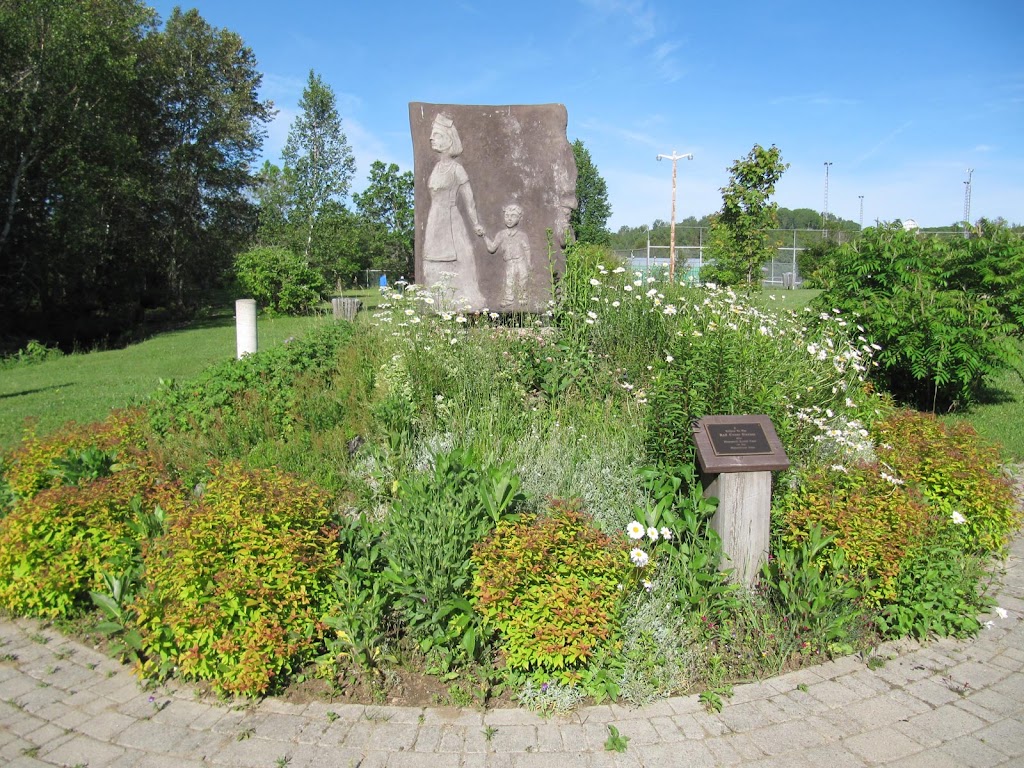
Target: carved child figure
{"x":515,"y":250}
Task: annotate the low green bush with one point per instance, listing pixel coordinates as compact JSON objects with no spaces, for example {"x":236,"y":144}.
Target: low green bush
{"x":279,"y":279}
{"x":44,"y":462}
{"x":56,"y":545}
{"x":235,"y":591}
{"x":551,"y":585}
{"x":813,"y":587}
{"x":360,"y":605}
{"x":876,"y":520}
{"x":938,"y":593}
{"x":259,"y":390}
{"x":33,"y":353}
{"x":956,"y":472}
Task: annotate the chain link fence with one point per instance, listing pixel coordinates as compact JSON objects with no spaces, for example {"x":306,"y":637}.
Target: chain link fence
{"x":782,"y":271}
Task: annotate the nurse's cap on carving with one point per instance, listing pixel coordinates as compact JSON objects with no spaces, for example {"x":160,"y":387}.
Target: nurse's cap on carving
{"x":445,"y":123}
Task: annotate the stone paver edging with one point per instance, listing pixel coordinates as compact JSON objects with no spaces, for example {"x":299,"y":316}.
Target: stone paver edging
{"x":945,"y":703}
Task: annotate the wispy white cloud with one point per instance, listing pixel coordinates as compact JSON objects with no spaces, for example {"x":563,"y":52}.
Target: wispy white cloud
{"x":666,"y":63}
{"x":984,"y":148}
{"x":633,"y":137}
{"x":639,"y":13}
{"x":879,"y":145}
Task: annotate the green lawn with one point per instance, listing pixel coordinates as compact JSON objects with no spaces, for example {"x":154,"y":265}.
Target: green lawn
{"x":1001,"y":418}
{"x":85,"y":387}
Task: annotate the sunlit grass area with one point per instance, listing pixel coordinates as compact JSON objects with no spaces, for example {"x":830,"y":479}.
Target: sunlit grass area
{"x":85,"y":387}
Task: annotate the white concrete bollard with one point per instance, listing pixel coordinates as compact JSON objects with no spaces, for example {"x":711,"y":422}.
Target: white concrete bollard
{"x":245,"y":327}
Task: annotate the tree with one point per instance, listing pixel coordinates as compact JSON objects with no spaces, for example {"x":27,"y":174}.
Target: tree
{"x":211,"y":128}
{"x":72,"y":237}
{"x":739,"y":239}
{"x":275,"y":197}
{"x":589,"y":220}
{"x":318,"y":154}
{"x":386,"y":206}
{"x":125,"y":155}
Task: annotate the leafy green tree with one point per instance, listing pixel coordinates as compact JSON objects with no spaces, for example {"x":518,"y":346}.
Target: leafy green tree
{"x":73,"y":239}
{"x":739,"y":239}
{"x":799,"y":218}
{"x":589,"y":220}
{"x":341,"y":248}
{"x":274,"y":193}
{"x":124,"y":162}
{"x":318,"y":155}
{"x":211,"y":128}
{"x":279,"y":280}
{"x":386,"y":206}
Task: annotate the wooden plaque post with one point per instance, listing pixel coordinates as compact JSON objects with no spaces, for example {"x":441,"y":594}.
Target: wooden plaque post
{"x":737,"y":456}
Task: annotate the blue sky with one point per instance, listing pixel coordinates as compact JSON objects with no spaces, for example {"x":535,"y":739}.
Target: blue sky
{"x":902,"y":97}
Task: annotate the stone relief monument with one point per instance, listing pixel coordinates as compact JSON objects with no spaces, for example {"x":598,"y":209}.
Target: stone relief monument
{"x":491,"y":182}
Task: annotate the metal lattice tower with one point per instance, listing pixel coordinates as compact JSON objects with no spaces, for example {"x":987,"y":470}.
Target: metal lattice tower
{"x":967,"y":198}
{"x":824,"y":216}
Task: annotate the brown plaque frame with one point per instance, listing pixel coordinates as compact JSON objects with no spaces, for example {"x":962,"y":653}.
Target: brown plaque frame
{"x":713,"y":462}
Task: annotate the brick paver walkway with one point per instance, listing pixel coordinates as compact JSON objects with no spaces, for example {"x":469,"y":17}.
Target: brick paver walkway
{"x":946,"y":703}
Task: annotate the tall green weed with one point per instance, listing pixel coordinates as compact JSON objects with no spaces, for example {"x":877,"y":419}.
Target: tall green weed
{"x":438,"y":516}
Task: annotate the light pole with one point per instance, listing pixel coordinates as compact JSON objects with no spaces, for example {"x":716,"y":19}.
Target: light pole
{"x":861,"y":211}
{"x":824,"y":216}
{"x":672,"y":225}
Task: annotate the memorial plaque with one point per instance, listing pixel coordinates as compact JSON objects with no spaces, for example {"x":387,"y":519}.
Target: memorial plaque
{"x":743,"y":439}
{"x":738,"y":444}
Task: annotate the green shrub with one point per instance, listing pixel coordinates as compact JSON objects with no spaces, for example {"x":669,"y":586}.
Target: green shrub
{"x":235,"y":590}
{"x":437,"y":518}
{"x":812,"y":585}
{"x":279,"y":279}
{"x":691,"y":552}
{"x":43,"y":462}
{"x":991,"y":261}
{"x":32,"y":353}
{"x":360,"y":601}
{"x":940,"y":338}
{"x":957,"y":472}
{"x":56,"y":545}
{"x":875,"y":519}
{"x":257,"y":393}
{"x":551,"y":586}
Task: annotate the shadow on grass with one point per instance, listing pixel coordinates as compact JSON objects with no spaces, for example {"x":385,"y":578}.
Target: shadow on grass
{"x":219,"y":319}
{"x":35,"y":391}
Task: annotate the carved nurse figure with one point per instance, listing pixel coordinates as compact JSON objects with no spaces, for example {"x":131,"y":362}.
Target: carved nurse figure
{"x":448,"y":256}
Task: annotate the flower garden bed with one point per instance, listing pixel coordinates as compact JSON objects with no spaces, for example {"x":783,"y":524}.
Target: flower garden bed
{"x":514,"y":515}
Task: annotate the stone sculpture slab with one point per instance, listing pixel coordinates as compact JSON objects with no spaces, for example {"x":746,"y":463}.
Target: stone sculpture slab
{"x":490,"y":183}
